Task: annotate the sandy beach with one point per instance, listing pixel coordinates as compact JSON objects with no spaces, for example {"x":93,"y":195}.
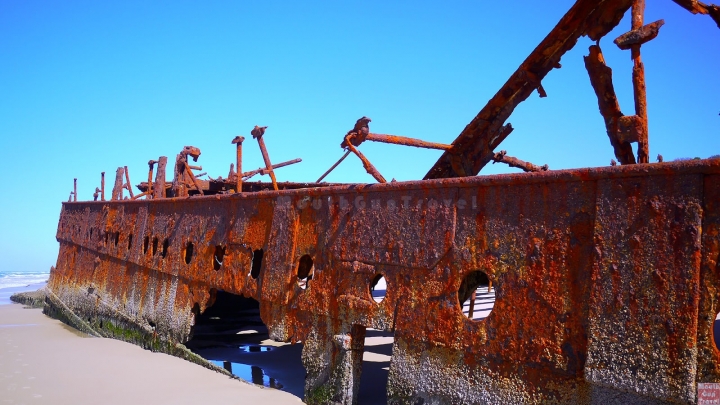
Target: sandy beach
{"x":42,"y":361}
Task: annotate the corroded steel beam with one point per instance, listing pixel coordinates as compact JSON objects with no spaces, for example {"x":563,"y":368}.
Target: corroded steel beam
{"x":369,"y":167}
{"x":159,"y":185}
{"x":263,"y":171}
{"x":403,"y":140}
{"x":238,"y":141}
{"x":639,"y":36}
{"x":601,"y":81}
{"x":502,"y":157}
{"x":258,"y":133}
{"x":696,"y":7}
{"x":607,"y":280}
{"x":474,"y":147}
{"x":639,"y":88}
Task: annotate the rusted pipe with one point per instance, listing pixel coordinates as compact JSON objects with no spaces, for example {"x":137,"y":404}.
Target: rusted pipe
{"x":75,"y":190}
{"x":102,"y":186}
{"x":238,"y":140}
{"x":403,"y":140}
{"x":515,"y":162}
{"x":264,"y":171}
{"x":128,"y":185}
{"x":333,"y":166}
{"x":117,"y":191}
{"x":366,"y":163}
{"x":258,"y":133}
{"x":149,"y":192}
{"x":144,"y":193}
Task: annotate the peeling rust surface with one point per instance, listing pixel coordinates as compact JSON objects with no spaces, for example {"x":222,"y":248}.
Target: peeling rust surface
{"x":606,"y":278}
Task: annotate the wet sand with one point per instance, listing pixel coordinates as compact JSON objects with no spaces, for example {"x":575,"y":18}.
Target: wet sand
{"x":42,"y":361}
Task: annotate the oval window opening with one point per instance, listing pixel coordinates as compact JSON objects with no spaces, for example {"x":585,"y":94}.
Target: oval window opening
{"x":378,"y":288}
{"x":305,"y":271}
{"x":188,"y":252}
{"x":117,"y":237}
{"x":155,"y":246}
{"x":218,"y":257}
{"x":129,"y":241}
{"x":256,"y":263}
{"x":476,"y":296}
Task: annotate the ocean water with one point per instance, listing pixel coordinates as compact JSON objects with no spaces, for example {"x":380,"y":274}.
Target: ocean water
{"x":22,"y":278}
{"x":12,"y":282}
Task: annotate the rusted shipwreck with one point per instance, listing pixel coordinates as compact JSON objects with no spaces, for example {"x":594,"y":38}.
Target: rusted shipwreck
{"x":606,"y":279}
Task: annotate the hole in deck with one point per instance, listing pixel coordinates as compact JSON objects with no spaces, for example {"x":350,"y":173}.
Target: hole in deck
{"x":378,"y":288}
{"x":476,"y":296}
{"x":256,"y":263}
{"x":305,"y":271}
{"x":188,"y":252}
{"x":218,"y":257}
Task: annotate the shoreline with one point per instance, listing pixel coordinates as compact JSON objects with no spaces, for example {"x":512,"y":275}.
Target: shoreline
{"x":6,"y":292}
{"x":43,"y":360}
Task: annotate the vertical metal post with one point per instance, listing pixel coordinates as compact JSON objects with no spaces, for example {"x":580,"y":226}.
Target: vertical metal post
{"x":472,"y":304}
{"x":638,"y":77}
{"x":75,"y":190}
{"x":159,"y":186}
{"x":117,"y":191}
{"x":238,"y":157}
{"x":149,"y":191}
{"x":102,"y":186}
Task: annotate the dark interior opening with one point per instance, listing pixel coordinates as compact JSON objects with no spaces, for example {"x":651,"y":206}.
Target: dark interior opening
{"x":129,"y":241}
{"x":116,"y":236}
{"x":230,"y":334}
{"x":146,"y":244}
{"x":155,"y":246}
{"x":305,"y":271}
{"x":165,"y":245}
{"x":256,"y":263}
{"x":188,"y":252}
{"x":218,"y":257}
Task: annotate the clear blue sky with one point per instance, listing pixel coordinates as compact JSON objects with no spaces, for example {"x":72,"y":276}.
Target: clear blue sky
{"x":89,"y":86}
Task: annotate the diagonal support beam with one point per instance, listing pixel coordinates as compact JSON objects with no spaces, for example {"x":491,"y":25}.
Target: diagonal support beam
{"x":474,"y":147}
{"x":601,"y":81}
{"x":698,"y":7}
